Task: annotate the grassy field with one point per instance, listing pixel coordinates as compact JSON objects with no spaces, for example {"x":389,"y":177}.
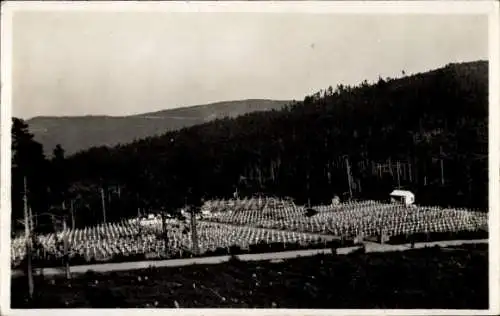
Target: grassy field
{"x":426,"y":278}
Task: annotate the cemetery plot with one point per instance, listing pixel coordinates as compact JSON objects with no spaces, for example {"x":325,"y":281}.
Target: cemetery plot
{"x":254,"y":225}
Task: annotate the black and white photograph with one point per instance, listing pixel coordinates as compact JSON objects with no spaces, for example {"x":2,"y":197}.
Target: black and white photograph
{"x":306,"y":157}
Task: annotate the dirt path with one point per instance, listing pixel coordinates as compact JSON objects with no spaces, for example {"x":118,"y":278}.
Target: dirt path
{"x":370,"y":247}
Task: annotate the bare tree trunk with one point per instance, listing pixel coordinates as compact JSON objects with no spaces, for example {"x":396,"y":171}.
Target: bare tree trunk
{"x":72,"y":211}
{"x":103,"y":201}
{"x":108,"y":195}
{"x":410,"y":172}
{"x":31,"y":286}
{"x":399,"y":180}
{"x":260,"y":176}
{"x":272,"y":170}
{"x":308,"y":189}
{"x":416,"y":170}
{"x":164,"y":229}
{"x":441,"y":162}
{"x":194,"y":232}
{"x":31,"y":220}
{"x":66,"y":253}
{"x":328,"y":173}
{"x":349,"y":176}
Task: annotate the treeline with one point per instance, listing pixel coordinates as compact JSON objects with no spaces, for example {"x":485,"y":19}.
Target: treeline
{"x":426,"y":132}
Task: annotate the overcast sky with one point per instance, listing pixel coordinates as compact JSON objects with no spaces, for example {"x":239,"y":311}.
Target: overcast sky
{"x":80,"y":63}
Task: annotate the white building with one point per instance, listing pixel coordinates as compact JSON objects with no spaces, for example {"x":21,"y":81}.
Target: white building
{"x":403,"y":196}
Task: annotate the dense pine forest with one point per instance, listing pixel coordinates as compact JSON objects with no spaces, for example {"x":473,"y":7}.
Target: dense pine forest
{"x":425,"y":132}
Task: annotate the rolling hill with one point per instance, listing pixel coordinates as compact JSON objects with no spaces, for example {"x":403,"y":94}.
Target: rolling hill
{"x":82,"y":132}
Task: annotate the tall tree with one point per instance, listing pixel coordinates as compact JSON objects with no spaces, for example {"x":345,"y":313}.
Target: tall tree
{"x":28,"y":161}
{"x":59,"y":183}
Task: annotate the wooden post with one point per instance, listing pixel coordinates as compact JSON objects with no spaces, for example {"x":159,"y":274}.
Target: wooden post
{"x":29,"y":271}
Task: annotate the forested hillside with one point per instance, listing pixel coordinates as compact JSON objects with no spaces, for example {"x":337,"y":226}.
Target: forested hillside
{"x":83,"y":132}
{"x":426,"y":132}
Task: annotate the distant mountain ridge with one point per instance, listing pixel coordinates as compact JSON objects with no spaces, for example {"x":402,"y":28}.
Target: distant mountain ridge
{"x":76,"y":133}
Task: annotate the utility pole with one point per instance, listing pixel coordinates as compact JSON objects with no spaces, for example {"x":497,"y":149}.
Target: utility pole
{"x":28,"y":242}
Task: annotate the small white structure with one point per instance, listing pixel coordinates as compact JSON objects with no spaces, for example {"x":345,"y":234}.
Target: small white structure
{"x":403,"y":196}
{"x":335,"y":200}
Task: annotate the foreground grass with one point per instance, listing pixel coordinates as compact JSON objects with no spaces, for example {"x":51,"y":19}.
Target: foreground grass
{"x":424,"y":278}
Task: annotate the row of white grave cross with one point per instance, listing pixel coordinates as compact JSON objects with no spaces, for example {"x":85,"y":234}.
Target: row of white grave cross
{"x":247,"y":224}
